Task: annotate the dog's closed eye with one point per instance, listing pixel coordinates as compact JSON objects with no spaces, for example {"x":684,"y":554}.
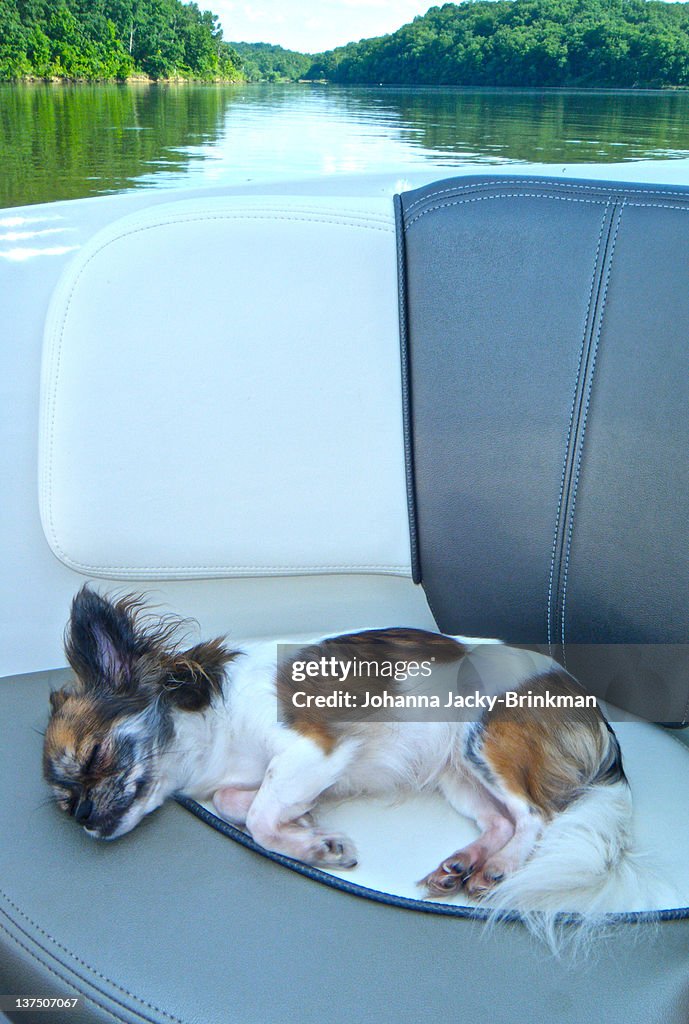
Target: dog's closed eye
{"x":90,"y":764}
{"x":92,"y":760}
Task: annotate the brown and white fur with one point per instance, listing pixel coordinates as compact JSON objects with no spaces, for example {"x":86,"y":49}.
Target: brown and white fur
{"x":145,"y":719}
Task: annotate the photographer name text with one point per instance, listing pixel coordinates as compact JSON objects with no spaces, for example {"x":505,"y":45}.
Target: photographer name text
{"x":472,"y":701}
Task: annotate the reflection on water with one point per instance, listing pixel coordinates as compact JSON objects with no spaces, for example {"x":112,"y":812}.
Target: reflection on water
{"x":62,"y":142}
{"x":17,"y":231}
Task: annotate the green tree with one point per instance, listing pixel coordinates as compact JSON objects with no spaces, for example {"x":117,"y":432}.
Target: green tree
{"x":106,"y":39}
{"x":525,"y":42}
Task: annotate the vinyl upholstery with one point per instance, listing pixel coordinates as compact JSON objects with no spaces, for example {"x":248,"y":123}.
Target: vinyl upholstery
{"x":175,"y":924}
{"x":208,"y":426}
{"x":517,"y":321}
{"x":546,"y":346}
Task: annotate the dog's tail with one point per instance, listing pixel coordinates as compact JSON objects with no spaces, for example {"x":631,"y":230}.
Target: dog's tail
{"x":584,"y":869}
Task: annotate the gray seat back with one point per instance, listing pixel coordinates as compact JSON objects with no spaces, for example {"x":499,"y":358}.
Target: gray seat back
{"x":546,"y":337}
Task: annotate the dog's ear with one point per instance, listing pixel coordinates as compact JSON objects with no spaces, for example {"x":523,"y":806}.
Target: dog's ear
{"x":58,"y":697}
{"x":103,"y":641}
{"x":194,"y":677}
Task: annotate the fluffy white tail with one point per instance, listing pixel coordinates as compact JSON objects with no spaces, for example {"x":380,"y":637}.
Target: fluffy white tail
{"x":583,"y":865}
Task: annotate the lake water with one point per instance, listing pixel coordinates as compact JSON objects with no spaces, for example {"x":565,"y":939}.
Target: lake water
{"x":64,"y":142}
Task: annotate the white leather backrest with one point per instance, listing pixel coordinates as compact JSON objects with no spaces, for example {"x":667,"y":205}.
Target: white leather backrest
{"x":221,"y":394}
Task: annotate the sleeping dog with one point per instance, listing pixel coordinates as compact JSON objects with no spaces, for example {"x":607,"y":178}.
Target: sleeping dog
{"x":145,"y":719}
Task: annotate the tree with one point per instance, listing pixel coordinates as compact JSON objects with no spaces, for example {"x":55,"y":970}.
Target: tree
{"x":105,"y":39}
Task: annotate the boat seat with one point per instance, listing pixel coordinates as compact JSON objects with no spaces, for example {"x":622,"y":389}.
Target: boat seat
{"x":479,"y":386}
{"x":176,"y":924}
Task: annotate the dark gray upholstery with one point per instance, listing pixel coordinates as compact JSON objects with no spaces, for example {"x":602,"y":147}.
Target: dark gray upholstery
{"x":175,"y":923}
{"x":547,"y":327}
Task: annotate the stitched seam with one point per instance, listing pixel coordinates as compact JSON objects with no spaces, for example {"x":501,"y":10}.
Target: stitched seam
{"x":589,"y":390}
{"x":544,"y":195}
{"x":377,"y":222}
{"x":499,"y":182}
{"x":569,"y":430}
{"x":70,"y":984}
{"x":657,"y":206}
{"x":47,"y":482}
{"x":263,"y":208}
{"x":504,"y":195}
{"x":82,"y":963}
{"x":307,"y":569}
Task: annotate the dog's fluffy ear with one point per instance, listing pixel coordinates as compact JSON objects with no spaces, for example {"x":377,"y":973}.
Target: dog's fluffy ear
{"x":103,"y":641}
{"x":195,"y":676}
{"x":116,"y":649}
{"x":57,"y":699}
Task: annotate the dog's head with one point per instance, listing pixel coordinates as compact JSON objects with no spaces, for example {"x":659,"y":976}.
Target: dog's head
{"x":108,"y":733}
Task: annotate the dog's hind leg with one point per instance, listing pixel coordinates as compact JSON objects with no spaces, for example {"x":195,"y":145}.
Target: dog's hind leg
{"x":293,"y":783}
{"x":528,"y":825}
{"x":471,"y":799}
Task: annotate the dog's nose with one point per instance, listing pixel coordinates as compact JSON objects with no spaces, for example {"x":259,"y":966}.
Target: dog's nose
{"x":83,"y":811}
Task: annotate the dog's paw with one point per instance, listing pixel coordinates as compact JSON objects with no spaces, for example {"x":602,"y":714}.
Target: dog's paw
{"x":443,"y":882}
{"x":455,"y":872}
{"x":495,"y":869}
{"x":483,"y":881}
{"x":333,"y":850}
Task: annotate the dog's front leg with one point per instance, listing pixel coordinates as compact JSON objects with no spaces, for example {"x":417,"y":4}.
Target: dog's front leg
{"x":293,"y":782}
{"x":233,"y":803}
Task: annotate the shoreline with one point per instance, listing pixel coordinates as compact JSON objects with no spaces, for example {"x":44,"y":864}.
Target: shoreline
{"x":145,"y":80}
{"x":139,"y":79}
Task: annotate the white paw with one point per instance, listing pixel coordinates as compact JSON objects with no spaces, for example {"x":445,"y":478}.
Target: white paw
{"x":333,"y":849}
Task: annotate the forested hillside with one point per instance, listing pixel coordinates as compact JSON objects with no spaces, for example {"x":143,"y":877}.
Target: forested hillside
{"x":263,"y":62}
{"x":106,"y":39}
{"x":525,"y":43}
{"x":615,"y":43}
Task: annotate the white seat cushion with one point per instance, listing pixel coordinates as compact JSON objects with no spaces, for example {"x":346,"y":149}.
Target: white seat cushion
{"x":400,"y":841}
{"x":221,"y":394}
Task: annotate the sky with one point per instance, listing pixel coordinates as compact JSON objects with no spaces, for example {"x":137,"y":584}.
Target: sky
{"x":312,"y":25}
